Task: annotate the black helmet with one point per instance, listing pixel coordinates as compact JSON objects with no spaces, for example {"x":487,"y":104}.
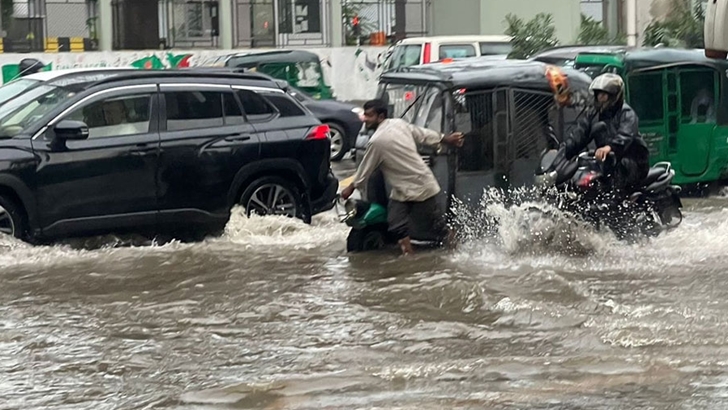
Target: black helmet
{"x":611,"y":84}
{"x":29,"y":66}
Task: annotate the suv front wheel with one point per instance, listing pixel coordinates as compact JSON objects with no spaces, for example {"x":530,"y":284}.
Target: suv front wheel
{"x":272,"y":196}
{"x":12,"y":219}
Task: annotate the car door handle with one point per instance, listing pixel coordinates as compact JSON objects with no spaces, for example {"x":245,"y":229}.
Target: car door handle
{"x":143,"y":149}
{"x":237,"y":137}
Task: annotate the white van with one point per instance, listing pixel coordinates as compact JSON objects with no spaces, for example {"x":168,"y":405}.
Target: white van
{"x":423,"y":50}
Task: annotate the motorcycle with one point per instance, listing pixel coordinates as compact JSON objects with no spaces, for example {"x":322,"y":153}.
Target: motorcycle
{"x":583,"y":187}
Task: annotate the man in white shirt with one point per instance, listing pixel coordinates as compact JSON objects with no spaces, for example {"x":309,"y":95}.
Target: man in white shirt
{"x":393,"y":150}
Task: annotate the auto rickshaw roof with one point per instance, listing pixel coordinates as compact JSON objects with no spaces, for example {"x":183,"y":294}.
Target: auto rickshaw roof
{"x":277,"y":56}
{"x":571,"y":52}
{"x":485,"y":73}
{"x":646,"y":58}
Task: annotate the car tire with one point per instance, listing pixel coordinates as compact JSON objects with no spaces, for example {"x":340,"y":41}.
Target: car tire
{"x":12,"y":218}
{"x":370,"y":238}
{"x":273,"y":196}
{"x":339,"y":142}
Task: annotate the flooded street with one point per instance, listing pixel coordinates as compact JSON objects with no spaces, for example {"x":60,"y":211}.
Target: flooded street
{"x":276,"y":315}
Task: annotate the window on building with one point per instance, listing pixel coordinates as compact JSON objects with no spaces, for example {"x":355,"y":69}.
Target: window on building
{"x":300,"y":16}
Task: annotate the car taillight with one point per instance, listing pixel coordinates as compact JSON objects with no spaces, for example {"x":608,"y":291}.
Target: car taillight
{"x":426,"y":57}
{"x":319,"y":133}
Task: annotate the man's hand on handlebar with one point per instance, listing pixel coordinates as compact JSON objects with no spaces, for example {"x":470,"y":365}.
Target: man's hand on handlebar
{"x":602,"y":153}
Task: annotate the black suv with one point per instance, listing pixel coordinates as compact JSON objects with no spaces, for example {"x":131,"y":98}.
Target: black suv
{"x":157,"y":151}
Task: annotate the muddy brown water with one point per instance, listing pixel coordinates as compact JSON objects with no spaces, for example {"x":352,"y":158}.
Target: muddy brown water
{"x":275,"y":315}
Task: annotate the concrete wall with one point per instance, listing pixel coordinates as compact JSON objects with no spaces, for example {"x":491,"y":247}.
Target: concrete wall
{"x":566,"y":15}
{"x":456,"y":17}
{"x":452,"y":17}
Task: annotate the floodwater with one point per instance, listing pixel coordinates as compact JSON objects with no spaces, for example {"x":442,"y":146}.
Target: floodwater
{"x":275,"y":315}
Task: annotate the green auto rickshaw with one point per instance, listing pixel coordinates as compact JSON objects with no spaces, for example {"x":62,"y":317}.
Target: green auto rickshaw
{"x":301,"y":69}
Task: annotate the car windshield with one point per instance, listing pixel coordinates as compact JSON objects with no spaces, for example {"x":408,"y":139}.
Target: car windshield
{"x":15,"y":88}
{"x":24,"y":111}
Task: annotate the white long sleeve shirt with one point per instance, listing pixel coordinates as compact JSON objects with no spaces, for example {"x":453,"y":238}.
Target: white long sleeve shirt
{"x":393,"y":149}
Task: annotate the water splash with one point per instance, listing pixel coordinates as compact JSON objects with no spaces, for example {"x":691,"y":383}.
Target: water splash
{"x":519,"y":223}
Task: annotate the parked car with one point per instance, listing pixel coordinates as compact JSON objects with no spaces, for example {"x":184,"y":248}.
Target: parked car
{"x":424,"y":50}
{"x":157,"y":151}
{"x":344,"y":119}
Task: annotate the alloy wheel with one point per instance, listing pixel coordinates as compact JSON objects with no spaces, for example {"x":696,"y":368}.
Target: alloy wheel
{"x":337,"y":143}
{"x":7,"y":225}
{"x":273,"y":199}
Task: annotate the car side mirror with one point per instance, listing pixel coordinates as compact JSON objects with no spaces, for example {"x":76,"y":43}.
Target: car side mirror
{"x":71,"y":130}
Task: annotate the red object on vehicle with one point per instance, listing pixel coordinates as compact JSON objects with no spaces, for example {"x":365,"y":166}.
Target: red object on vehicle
{"x":587,"y":180}
{"x":319,"y":133}
{"x":428,"y":49}
{"x":409,"y":96}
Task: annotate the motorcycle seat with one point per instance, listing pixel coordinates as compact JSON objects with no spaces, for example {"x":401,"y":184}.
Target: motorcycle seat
{"x":653,"y":175}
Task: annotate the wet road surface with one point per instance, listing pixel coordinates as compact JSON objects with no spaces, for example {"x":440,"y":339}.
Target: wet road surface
{"x":275,"y":315}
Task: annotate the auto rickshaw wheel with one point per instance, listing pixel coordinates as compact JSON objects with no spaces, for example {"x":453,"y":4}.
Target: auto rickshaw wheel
{"x":370,"y":238}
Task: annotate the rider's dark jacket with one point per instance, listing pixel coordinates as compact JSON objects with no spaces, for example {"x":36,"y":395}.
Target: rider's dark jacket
{"x":622,"y":134}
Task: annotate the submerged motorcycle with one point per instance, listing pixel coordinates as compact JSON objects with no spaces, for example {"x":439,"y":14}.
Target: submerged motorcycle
{"x":583,"y":187}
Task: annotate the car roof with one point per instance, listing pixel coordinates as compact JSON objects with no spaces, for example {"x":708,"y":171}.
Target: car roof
{"x":454,"y":39}
{"x":45,"y":76}
{"x":277,"y":55}
{"x":485,"y":73}
{"x":570,"y":52}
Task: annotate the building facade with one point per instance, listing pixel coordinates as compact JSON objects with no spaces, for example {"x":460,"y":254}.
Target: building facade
{"x":60,"y":25}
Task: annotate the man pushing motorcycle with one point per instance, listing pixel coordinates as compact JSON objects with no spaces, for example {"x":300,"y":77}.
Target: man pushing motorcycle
{"x":393,"y":150}
{"x":613,"y":126}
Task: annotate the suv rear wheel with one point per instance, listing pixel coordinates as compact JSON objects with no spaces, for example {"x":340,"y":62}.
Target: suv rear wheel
{"x":339,"y":142}
{"x":12,"y":219}
{"x":272,"y":196}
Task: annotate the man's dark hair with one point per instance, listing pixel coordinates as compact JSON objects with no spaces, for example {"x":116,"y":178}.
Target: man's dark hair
{"x":379,"y":107}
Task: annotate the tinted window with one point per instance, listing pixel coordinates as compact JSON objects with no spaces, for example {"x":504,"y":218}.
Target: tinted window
{"x":254,"y":105}
{"x":233,"y":113}
{"x":188,"y":110}
{"x":116,"y":116}
{"x":697,"y":95}
{"x":646,"y":97}
{"x":457,"y":51}
{"x":487,"y":49}
{"x":285,"y":105}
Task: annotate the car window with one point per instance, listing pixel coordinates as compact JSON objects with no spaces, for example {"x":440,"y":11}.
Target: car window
{"x":254,"y":105}
{"x":457,"y":51}
{"x":406,"y":56}
{"x":15,"y":88}
{"x":495,"y":48}
{"x":116,"y":116}
{"x":24,"y":111}
{"x":697,"y":96}
{"x":285,"y":105}
{"x":233,"y":112}
{"x":188,"y":110}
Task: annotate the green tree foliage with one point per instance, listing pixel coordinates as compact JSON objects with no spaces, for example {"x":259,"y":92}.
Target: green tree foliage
{"x":593,"y":33}
{"x":683,"y":27}
{"x":531,"y":37}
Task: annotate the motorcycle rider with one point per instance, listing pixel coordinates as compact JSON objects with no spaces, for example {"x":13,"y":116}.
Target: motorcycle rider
{"x":613,"y":126}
